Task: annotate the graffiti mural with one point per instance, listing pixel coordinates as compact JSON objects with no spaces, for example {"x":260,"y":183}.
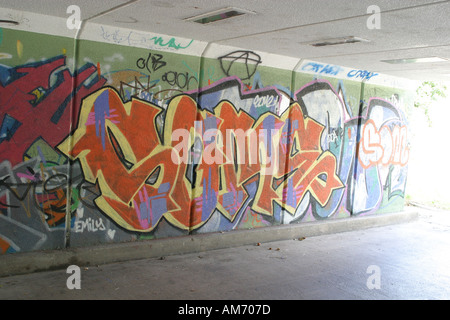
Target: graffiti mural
{"x":35,"y":104}
{"x":34,"y":108}
{"x":239,"y":159}
{"x":150,"y":147}
{"x":213,"y":156}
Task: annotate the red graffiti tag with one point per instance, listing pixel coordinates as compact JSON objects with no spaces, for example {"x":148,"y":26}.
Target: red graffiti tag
{"x":205,"y":161}
{"x":42,"y":109}
{"x":120,"y":149}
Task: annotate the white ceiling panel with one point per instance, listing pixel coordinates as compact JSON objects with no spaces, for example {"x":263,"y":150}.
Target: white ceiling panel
{"x":409,"y":28}
{"x":168,"y":16}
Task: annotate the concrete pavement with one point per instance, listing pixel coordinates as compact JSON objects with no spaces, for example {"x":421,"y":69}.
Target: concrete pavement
{"x":408,"y":260}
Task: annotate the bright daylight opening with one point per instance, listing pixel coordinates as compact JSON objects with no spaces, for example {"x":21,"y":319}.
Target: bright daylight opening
{"x":428,"y":175}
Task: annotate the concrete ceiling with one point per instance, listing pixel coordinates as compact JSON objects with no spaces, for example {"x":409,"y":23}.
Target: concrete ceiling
{"x":408,"y":28}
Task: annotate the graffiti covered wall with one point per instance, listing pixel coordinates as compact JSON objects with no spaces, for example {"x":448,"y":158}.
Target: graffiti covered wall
{"x":121,"y":143}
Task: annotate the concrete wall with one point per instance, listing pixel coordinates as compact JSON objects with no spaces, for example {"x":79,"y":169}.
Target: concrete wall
{"x":121,"y":135}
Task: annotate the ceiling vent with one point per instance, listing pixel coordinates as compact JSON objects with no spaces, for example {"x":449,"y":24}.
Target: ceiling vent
{"x":336,"y":41}
{"x":415,"y":60}
{"x":219,"y":15}
{"x":7,"y":23}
